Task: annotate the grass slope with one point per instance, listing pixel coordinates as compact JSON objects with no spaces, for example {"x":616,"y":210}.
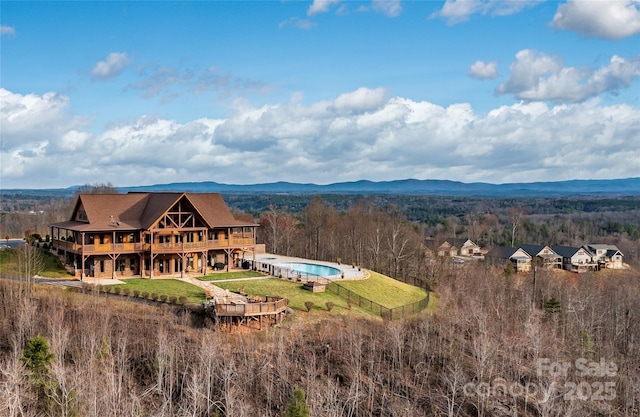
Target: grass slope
{"x":168,"y":287}
{"x":230,"y":275}
{"x":294,"y":292}
{"x":385,"y":291}
{"x":51,"y":265}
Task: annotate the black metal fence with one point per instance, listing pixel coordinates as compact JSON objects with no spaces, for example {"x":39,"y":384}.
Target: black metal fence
{"x":369,"y":305}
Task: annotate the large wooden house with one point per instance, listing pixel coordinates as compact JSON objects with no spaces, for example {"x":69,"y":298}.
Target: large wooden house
{"x":151,"y":234}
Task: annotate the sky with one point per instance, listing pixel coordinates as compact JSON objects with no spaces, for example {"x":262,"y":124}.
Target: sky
{"x":323,"y":91}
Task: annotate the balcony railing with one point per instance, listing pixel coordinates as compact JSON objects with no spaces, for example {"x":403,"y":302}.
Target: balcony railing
{"x":171,"y":247}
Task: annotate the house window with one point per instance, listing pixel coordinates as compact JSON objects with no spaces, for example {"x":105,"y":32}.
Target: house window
{"x":121,"y":265}
{"x":101,"y":239}
{"x":101,"y":265}
{"x":120,"y":238}
{"x":190,"y":237}
{"x":90,"y":239}
{"x":132,"y":264}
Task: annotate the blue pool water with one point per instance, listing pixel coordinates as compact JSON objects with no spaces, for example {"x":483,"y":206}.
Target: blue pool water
{"x":310,"y":269}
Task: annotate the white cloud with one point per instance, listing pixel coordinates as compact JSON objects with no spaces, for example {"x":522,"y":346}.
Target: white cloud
{"x":111,"y":67}
{"x":7,"y":30}
{"x":304,"y":24}
{"x":615,"y":19}
{"x":484,"y":70}
{"x":537,"y":76}
{"x":321,"y":6}
{"x":391,"y":8}
{"x":358,"y":135}
{"x":361,"y":99}
{"x":169,"y":83}
{"x":31,"y":118}
{"x":457,"y":11}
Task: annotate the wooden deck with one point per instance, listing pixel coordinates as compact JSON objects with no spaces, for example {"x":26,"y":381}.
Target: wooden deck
{"x":258,"y":309}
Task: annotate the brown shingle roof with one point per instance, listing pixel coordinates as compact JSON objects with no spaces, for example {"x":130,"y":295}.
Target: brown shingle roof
{"x":136,"y":211}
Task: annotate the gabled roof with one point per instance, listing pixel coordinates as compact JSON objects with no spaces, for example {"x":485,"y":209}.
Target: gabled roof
{"x":444,"y":243}
{"x":536,"y":250}
{"x":461,"y":242}
{"x":611,"y":249}
{"x":505,"y":252}
{"x":567,"y":251}
{"x":136,"y":211}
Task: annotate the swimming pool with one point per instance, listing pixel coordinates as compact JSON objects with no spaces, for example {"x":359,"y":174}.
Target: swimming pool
{"x":309,"y":269}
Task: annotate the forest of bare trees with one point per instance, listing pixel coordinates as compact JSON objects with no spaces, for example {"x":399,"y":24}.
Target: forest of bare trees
{"x":494,"y":346}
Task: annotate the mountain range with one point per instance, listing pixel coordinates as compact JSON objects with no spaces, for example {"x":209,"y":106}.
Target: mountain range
{"x":613,"y":187}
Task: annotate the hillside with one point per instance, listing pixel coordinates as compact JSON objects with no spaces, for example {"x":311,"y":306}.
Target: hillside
{"x":613,"y":187}
{"x":490,"y":349}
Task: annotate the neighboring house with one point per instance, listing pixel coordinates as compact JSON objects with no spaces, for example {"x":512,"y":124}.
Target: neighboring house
{"x":150,"y":234}
{"x":544,"y":256}
{"x":520,"y":259}
{"x":452,"y":247}
{"x":466,"y":247}
{"x":440,"y":248}
{"x":606,"y":256}
{"x":575,"y":259}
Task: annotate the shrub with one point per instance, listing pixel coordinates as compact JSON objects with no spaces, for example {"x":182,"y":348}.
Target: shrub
{"x":163,"y":298}
{"x":173,"y":299}
{"x":145,"y":294}
{"x":154,"y":296}
{"x":183,"y":300}
{"x":298,"y":405}
{"x":106,"y":289}
{"x":330,"y":305}
{"x":126,"y":291}
{"x":117,"y":290}
{"x":136,"y":293}
{"x":308,"y":305}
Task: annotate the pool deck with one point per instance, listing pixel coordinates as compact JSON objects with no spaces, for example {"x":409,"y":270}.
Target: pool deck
{"x":350,"y":272}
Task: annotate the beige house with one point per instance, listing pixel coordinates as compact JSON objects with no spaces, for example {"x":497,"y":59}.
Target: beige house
{"x":518,"y":257}
{"x":452,"y":247}
{"x":544,"y":256}
{"x":151,"y":234}
{"x":606,"y":256}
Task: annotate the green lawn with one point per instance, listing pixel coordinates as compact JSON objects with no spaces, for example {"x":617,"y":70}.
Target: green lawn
{"x":51,"y":267}
{"x":230,"y":275}
{"x":294,"y":292}
{"x":385,"y":291}
{"x":169,"y":287}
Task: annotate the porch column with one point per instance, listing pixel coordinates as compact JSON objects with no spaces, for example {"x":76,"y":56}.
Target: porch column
{"x":82,"y":258}
{"x":151,"y":256}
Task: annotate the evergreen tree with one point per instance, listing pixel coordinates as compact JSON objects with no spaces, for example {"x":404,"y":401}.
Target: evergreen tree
{"x":298,"y":405}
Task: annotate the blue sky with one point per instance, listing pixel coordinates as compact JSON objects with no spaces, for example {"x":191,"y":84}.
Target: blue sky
{"x":240,"y":92}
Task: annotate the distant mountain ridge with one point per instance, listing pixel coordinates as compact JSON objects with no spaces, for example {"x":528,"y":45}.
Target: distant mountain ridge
{"x":614,"y":187}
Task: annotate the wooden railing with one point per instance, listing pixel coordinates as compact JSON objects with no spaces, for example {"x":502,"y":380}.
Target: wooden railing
{"x":271,"y":305}
{"x":157,"y":247}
